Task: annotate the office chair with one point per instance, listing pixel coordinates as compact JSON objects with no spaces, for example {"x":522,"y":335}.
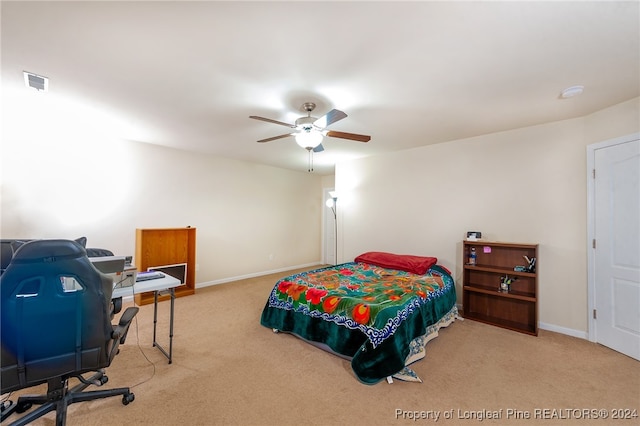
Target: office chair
{"x":56,"y":315}
{"x":6,"y":253}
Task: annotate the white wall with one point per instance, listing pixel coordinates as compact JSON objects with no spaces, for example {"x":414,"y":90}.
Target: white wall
{"x":526,"y":185}
{"x":250,"y":218}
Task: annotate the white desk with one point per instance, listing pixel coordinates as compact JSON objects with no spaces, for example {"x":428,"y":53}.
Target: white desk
{"x":159,"y":284}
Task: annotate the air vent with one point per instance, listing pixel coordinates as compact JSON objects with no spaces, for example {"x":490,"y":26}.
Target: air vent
{"x":35,"y":81}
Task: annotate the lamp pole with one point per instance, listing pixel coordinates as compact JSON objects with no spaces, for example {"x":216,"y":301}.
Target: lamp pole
{"x":332,"y":203}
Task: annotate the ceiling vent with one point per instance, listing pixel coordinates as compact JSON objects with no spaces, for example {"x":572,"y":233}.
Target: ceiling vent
{"x":35,"y":81}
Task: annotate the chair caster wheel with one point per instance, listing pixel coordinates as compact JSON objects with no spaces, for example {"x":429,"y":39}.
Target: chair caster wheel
{"x":103,"y":380}
{"x":7,"y":405}
{"x":126,"y":399}
{"x":21,"y":407}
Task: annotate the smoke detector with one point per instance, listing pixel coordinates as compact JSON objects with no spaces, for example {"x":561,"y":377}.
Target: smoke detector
{"x":36,"y":81}
{"x":572,"y":91}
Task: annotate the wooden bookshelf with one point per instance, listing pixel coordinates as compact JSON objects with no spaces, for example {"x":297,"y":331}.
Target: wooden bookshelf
{"x":166,"y":246}
{"x":482,"y":299}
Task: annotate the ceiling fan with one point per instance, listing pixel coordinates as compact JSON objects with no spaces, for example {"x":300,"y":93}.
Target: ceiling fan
{"x":309,"y":130}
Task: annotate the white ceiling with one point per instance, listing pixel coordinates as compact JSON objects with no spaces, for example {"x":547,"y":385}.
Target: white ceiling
{"x":189,"y":74}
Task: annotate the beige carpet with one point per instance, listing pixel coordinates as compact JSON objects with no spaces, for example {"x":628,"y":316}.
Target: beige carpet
{"x":229,"y":370}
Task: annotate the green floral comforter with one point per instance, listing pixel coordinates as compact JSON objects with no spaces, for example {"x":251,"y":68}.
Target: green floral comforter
{"x":364,"y":312}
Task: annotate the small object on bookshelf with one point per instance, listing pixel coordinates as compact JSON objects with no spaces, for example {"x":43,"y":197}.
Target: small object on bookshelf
{"x":473,"y":235}
{"x":472,"y":257}
{"x":505,"y":283}
{"x":530,"y":267}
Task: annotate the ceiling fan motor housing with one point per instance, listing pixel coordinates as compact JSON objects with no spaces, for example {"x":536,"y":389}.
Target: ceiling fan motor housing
{"x":305,"y":123}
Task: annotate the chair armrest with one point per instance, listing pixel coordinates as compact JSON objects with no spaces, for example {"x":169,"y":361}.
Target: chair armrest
{"x":120,"y":331}
{"x":128,"y":315}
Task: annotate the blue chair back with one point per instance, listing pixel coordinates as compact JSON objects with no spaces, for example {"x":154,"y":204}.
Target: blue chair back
{"x":55,"y":314}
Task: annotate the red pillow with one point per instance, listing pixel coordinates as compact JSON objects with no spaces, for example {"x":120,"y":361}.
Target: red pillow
{"x":404,"y":262}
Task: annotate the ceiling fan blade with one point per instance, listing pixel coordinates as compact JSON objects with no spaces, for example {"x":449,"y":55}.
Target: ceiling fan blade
{"x":268,"y":120}
{"x":274,"y":138}
{"x":330,"y":118}
{"x":318,"y":148}
{"x":351,"y":136}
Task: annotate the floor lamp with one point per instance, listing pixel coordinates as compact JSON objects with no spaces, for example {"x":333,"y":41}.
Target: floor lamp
{"x":331,"y":203}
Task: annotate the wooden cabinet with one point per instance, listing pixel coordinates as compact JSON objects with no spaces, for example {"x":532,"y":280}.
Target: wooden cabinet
{"x":482,"y":298}
{"x":167,"y":247}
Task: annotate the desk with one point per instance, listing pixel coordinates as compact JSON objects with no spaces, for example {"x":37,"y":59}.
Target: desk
{"x":156,"y":285}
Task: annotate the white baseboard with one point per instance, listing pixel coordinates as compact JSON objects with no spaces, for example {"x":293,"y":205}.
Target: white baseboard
{"x":564,"y":330}
{"x":255,"y":274}
{"x":555,"y":328}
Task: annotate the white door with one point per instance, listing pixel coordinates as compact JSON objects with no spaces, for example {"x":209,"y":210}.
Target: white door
{"x":616,"y":256}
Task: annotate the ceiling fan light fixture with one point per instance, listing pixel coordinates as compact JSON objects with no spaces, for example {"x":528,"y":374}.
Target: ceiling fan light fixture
{"x":309,"y":138}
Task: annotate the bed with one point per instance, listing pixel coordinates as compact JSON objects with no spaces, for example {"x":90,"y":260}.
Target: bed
{"x":378,"y":311}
